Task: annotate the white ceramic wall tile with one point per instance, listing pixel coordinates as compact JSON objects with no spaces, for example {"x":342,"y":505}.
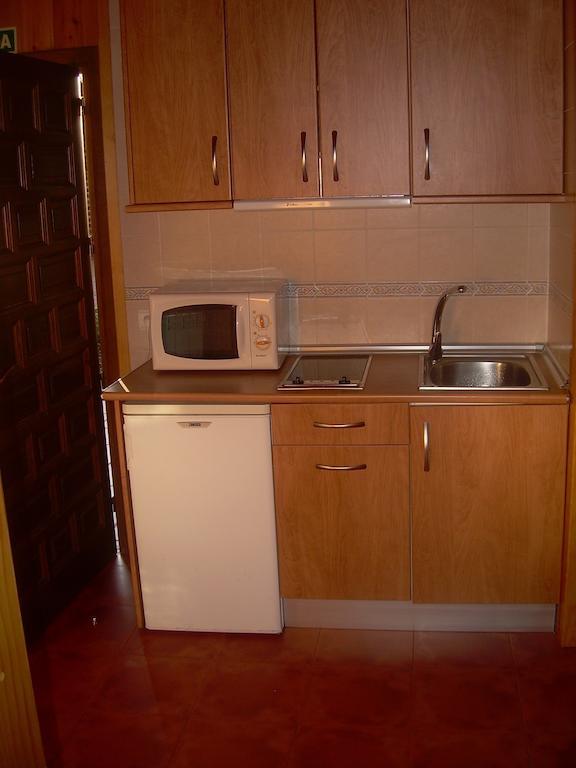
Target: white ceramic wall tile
{"x":392,"y":255}
{"x":340,"y":255}
{"x":500,"y":215}
{"x":289,"y":255}
{"x":500,"y":253}
{"x":562,"y":250}
{"x":303,"y":321}
{"x":137,"y":339}
{"x":390,"y":320}
{"x":142,"y":261}
{"x":341,"y":321}
{"x":235,"y":243}
{"x":288,"y":220}
{"x":560,"y":332}
{"x":444,"y":215}
{"x":446,"y":254}
{"x":538,"y":258}
{"x":538,"y":214}
{"x":403,"y":217}
{"x":340,"y":218}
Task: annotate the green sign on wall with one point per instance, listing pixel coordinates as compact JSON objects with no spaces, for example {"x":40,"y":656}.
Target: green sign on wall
{"x":8,"y":40}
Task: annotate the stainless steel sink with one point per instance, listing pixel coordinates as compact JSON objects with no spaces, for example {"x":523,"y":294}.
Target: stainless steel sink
{"x":464,"y":372}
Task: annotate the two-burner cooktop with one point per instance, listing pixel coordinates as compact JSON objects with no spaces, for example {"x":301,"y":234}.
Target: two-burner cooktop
{"x":327,"y":372}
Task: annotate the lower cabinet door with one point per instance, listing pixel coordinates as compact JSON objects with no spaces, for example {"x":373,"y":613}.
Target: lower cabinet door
{"x":343,"y":522}
{"x":487,"y":503}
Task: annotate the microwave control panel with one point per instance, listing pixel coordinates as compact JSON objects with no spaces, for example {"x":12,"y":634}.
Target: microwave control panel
{"x":263,"y":332}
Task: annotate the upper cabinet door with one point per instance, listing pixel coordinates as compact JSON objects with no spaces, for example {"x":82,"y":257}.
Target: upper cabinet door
{"x":486,"y":97}
{"x":272,"y":81}
{"x":363,"y":97}
{"x":175,"y":92}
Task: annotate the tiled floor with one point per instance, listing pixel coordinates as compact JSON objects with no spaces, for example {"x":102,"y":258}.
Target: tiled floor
{"x":109,"y":695}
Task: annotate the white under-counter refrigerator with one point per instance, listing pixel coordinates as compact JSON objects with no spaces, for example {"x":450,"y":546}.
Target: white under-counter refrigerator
{"x":203,"y":506}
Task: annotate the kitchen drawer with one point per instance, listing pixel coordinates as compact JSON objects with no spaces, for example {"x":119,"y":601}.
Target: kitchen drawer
{"x":354,"y":424}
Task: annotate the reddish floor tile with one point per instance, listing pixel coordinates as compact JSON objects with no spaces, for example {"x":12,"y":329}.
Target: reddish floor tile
{"x":462,"y":649}
{"x":122,"y":741}
{"x":149,"y":685}
{"x":112,"y":586}
{"x":466,"y":698}
{"x":541,"y":649}
{"x":349,"y":695}
{"x":553,"y":750}
{"x":245,"y":691}
{"x":65,"y":683}
{"x":294,"y":645}
{"x":470,"y":749}
{"x":342,"y":747}
{"x":358,"y":646}
{"x":189,"y":645}
{"x":548,"y":698}
{"x":100,"y":632}
{"x":218,"y":744}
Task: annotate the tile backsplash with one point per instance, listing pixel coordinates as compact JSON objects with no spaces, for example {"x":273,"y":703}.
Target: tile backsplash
{"x":360,"y":275}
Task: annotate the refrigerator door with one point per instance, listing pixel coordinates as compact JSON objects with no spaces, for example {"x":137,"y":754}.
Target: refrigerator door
{"x":203,"y":504}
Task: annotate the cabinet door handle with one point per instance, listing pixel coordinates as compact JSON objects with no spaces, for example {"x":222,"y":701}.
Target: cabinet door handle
{"x":335,"y":175}
{"x":303,"y":147}
{"x":427,"y":154}
{"x":352,"y":425}
{"x":215,"y":177}
{"x":343,"y":468}
{"x":426,"y":446}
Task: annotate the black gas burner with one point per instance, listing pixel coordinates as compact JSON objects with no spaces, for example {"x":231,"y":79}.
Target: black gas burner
{"x":327,"y":372}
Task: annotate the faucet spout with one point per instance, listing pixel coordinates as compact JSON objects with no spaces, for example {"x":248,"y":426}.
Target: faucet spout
{"x":435,"y":350}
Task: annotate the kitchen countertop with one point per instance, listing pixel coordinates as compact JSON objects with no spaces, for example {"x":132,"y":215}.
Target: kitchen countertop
{"x":393,"y":377}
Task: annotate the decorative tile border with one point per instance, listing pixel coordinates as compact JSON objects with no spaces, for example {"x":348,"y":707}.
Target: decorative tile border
{"x":382,"y":290}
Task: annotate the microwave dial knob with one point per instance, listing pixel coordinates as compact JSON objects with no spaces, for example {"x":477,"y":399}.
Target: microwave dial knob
{"x":262,"y":321}
{"x":263,"y":342}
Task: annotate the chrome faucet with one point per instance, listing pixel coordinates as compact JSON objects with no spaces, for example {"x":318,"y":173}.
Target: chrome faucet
{"x":435,"y":350}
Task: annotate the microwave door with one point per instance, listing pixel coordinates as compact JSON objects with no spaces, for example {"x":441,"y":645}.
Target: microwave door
{"x":201,"y":332}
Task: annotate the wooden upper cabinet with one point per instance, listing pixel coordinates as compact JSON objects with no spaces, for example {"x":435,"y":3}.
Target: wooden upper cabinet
{"x":487,"y":86}
{"x":488,"y":510}
{"x":272,"y":82}
{"x":363,"y":97}
{"x":175,"y":93}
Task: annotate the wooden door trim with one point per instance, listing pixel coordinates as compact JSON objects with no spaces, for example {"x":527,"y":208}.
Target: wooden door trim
{"x":21,"y":743}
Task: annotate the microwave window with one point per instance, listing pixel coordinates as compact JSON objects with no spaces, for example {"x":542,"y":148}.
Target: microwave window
{"x":201,"y":332}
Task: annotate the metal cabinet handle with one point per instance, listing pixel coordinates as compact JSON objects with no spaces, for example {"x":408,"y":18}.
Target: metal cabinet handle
{"x":427,"y":154}
{"x":335,"y":175}
{"x":426,"y":446}
{"x":215,"y":177}
{"x":352,"y":425}
{"x":344,"y":468}
{"x":303,"y":147}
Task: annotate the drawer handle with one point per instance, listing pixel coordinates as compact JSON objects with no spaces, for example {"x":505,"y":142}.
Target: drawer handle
{"x":352,"y":425}
{"x":426,"y":446}
{"x":427,"y":154}
{"x":344,"y":468}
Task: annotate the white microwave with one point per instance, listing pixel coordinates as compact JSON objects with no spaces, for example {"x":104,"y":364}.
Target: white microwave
{"x":218,"y":326}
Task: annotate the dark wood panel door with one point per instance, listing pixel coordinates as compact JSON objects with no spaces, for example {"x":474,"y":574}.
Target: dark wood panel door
{"x":52,"y":449}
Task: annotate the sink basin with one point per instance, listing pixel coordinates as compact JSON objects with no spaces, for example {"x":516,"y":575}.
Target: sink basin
{"x":479,"y":372}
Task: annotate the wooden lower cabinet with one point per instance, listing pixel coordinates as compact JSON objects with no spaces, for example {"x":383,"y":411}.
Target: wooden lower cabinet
{"x":488,"y":509}
{"x":343,"y":534}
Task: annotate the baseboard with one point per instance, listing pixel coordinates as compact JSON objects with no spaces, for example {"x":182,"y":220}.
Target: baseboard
{"x":374,"y":614}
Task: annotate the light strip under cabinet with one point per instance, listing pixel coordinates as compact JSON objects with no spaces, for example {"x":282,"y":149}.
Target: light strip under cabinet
{"x":392,"y":201}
